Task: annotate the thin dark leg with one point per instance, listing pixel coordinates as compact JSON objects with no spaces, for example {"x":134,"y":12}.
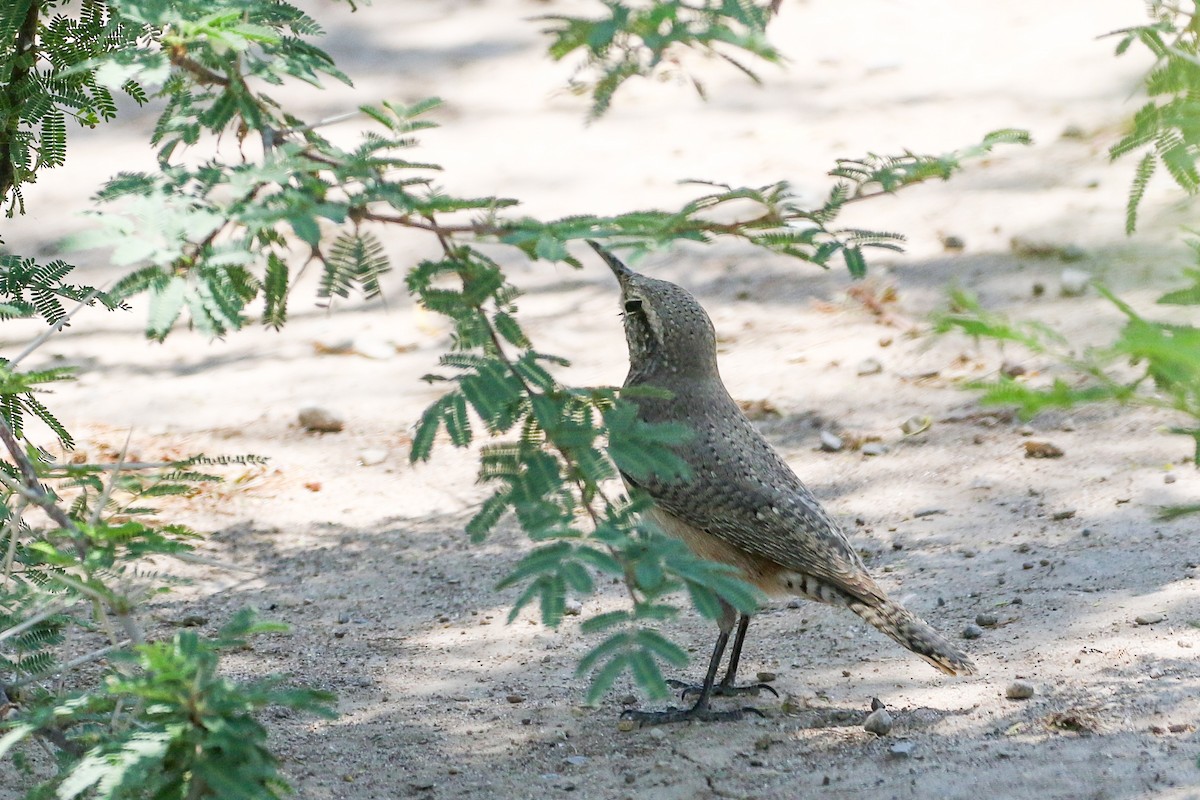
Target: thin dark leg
{"x":699,"y":711}
{"x":736,"y":655}
{"x":726,"y":687}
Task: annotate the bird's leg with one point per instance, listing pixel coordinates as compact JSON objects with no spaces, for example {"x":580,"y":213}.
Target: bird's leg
{"x":699,"y":711}
{"x":726,"y":687}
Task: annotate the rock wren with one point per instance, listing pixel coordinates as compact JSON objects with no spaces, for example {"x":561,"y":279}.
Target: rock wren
{"x":741,"y":505}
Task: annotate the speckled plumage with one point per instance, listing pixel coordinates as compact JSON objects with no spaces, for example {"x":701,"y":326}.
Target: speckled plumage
{"x":743,"y":504}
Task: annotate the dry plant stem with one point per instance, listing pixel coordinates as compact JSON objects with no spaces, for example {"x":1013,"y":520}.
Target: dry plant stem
{"x":102,"y":501}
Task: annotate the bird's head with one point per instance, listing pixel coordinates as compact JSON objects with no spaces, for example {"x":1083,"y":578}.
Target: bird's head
{"x":667,"y":331}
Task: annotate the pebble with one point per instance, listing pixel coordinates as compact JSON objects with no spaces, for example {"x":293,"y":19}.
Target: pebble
{"x":1150,"y":618}
{"x":879,"y":722}
{"x":901,"y":750}
{"x":515,"y":698}
{"x":1066,"y":513}
{"x":320,"y":420}
{"x":869,"y":366}
{"x":572,"y":607}
{"x":986,"y":620}
{"x":1169,"y":478}
{"x":343,"y":618}
{"x":626,"y":725}
{"x":874,"y":449}
{"x":953,"y":244}
{"x":928,"y":512}
{"x":982,"y":482}
{"x":1042,"y":450}
{"x":369,"y":458}
{"x":1074,"y":282}
{"x":658,"y":733}
{"x":831,"y":442}
{"x":972,"y":632}
{"x":1020,"y":690}
{"x":576,"y":761}
{"x":916,"y":424}
{"x":765,"y":677}
{"x":795,"y":602}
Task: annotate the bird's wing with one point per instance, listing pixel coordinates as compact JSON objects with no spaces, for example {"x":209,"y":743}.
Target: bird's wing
{"x":755,"y":502}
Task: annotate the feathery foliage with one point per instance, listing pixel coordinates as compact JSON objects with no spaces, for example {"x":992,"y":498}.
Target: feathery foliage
{"x":1166,"y":130}
{"x":634,"y":40}
{"x":217,"y":241}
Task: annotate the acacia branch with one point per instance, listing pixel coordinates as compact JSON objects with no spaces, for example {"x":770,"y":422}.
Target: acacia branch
{"x":14,"y":93}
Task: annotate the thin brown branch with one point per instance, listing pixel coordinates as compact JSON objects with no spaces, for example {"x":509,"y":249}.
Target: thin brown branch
{"x":15,"y":97}
{"x":201,"y":73}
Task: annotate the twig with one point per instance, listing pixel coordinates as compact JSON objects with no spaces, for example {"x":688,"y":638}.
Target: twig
{"x":53,"y":329}
{"x":41,"y":616}
{"x":112,"y":481}
{"x":70,"y":665}
{"x":202,"y":73}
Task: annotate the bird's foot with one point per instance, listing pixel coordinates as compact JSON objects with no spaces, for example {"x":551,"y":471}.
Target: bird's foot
{"x":672,"y":714}
{"x":721,"y":689}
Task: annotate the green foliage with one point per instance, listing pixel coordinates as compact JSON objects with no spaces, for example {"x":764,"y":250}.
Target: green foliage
{"x":1150,"y":363}
{"x":45,"y":78}
{"x":195,"y":733}
{"x":218,"y":241}
{"x":1166,"y":130}
{"x":636,"y":40}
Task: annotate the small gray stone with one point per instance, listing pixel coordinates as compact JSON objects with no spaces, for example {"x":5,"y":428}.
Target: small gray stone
{"x":658,"y":733}
{"x":343,"y":618}
{"x":1074,"y":281}
{"x":874,"y":449}
{"x":1020,"y":690}
{"x":1169,"y":478}
{"x":1150,"y":618}
{"x":869,"y":366}
{"x":515,"y":698}
{"x":320,"y":420}
{"x":879,"y":722}
{"x":576,"y":761}
{"x":765,"y":677}
{"x":901,"y":750}
{"x":831,"y":442}
{"x":572,"y":607}
{"x":972,"y":632}
{"x":986,"y":620}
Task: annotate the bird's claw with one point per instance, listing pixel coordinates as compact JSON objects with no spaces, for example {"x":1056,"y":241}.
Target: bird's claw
{"x":673,"y":714}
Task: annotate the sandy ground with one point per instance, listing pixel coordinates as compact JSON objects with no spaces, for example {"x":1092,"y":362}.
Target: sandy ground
{"x":395,"y":611}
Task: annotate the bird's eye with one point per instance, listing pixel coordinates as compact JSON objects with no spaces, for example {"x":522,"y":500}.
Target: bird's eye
{"x":632,"y":306}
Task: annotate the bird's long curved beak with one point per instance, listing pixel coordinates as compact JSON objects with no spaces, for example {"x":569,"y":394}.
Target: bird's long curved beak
{"x":622,"y":272}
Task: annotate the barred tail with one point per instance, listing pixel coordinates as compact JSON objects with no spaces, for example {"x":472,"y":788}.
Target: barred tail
{"x":911,"y":631}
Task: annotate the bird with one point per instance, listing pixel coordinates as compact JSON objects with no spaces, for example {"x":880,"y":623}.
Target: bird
{"x":740,"y":503}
